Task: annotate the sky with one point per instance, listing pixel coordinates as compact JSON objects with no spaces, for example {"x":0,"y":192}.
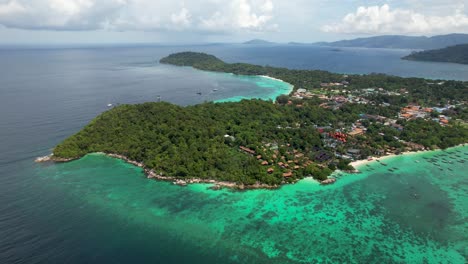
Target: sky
{"x":201,"y":21}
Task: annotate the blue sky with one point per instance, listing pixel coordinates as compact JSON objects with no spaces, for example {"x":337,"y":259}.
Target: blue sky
{"x":198,"y":21}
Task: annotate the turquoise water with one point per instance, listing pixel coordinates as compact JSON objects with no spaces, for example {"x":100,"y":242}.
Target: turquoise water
{"x":267,"y":89}
{"x":416,"y":214}
{"x":101,"y":210}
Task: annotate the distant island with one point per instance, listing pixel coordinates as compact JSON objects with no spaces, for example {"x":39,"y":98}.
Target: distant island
{"x":453,"y":54}
{"x":328,"y":121}
{"x":258,"y":42}
{"x":402,"y":42}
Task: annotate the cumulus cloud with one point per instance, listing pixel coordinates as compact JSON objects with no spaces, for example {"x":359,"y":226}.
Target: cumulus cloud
{"x":123,"y":15}
{"x":181,"y":19}
{"x":241,"y":14}
{"x":11,"y":8}
{"x":384,"y":20}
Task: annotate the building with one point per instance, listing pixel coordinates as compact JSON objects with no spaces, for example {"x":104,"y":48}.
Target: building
{"x":247,"y":150}
{"x":356,"y":131}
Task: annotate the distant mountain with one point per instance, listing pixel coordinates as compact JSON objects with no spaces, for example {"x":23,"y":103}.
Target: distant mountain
{"x":455,"y":54}
{"x":258,"y":42}
{"x":402,"y":42}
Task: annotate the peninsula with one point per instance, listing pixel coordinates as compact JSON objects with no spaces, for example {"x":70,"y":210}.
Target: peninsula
{"x":453,"y":54}
{"x":328,"y":121}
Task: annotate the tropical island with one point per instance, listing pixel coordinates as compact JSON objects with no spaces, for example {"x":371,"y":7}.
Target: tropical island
{"x":327,"y":121}
{"x":402,"y":42}
{"x":453,"y":54}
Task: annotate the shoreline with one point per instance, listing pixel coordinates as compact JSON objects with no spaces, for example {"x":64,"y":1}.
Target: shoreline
{"x":218,"y":184}
{"x":279,"y":80}
{"x":266,"y":98}
{"x":151,"y":174}
{"x":359,"y":163}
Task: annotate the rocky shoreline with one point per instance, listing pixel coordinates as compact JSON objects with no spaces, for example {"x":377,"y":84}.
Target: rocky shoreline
{"x":52,"y":158}
{"x":151,"y":174}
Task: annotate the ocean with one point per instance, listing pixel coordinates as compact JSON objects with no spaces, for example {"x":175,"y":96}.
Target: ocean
{"x":102,"y":210}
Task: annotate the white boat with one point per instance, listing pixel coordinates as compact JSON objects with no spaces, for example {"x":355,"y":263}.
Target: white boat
{"x":109,"y":105}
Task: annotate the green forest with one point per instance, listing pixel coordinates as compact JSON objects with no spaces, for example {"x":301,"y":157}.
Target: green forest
{"x":203,"y":140}
{"x":454,"y":54}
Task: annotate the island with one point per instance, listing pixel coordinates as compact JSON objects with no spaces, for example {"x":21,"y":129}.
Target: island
{"x":258,"y":42}
{"x":326,"y":122}
{"x":401,"y":42}
{"x":453,"y":54}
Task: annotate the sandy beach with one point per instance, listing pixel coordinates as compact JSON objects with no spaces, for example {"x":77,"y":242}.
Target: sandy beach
{"x":268,"y":77}
{"x":359,"y":163}
{"x":271,"y":78}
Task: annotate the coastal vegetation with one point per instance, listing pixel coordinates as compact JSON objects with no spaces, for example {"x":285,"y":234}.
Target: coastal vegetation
{"x":454,"y":54}
{"x":419,"y":90}
{"x":207,"y":140}
{"x":327,"y":121}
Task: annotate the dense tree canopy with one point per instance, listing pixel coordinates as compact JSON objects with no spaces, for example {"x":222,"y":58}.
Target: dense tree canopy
{"x":455,"y":54}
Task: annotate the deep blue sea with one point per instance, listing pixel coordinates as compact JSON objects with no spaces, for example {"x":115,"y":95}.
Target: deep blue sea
{"x":49,"y":93}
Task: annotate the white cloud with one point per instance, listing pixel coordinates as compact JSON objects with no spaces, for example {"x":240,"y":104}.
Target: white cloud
{"x":384,"y":20}
{"x":11,"y":8}
{"x":147,"y":15}
{"x":241,"y":14}
{"x":267,"y":6}
{"x":181,"y":19}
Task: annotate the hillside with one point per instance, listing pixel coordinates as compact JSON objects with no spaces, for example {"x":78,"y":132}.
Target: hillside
{"x":402,"y":42}
{"x":190,"y":59}
{"x":214,"y":141}
{"x":454,"y":54}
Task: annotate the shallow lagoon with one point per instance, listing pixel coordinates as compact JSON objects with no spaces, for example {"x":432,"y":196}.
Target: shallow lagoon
{"x":413,"y":215}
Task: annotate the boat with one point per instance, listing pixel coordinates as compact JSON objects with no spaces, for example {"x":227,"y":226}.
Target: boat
{"x":384,"y":164}
{"x":214,"y":90}
{"x":109,"y":105}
